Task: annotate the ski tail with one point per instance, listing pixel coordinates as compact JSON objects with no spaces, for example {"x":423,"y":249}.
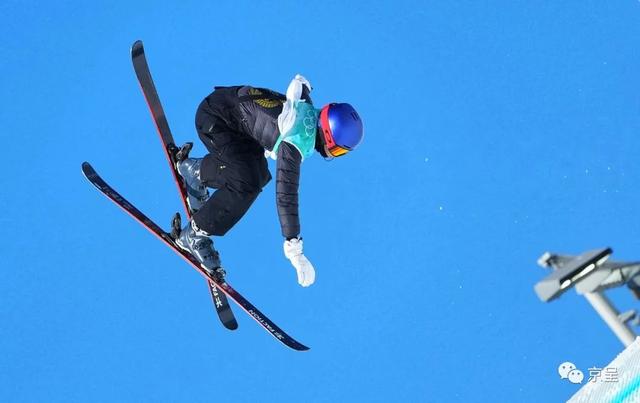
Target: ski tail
{"x":222,"y":307}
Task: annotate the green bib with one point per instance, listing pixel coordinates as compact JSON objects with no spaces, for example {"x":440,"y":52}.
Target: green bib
{"x":303,"y":133}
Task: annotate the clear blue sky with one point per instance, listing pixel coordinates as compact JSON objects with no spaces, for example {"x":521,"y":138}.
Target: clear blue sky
{"x":494,"y":131}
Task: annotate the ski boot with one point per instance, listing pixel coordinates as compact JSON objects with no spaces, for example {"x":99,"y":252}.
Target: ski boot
{"x":189,"y":170}
{"x":197,"y":242}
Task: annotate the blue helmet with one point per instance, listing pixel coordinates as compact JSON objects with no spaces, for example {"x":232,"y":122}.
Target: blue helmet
{"x":341,"y":128}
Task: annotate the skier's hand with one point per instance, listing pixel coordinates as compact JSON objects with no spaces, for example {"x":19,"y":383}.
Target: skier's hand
{"x":294,"y":91}
{"x":304,"y":268}
{"x":304,"y":81}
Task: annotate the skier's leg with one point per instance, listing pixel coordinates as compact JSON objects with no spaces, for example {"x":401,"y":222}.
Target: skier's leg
{"x":198,"y":243}
{"x":211,"y":117}
{"x":235,"y":166}
{"x":192,"y":238}
{"x":238,"y":170}
{"x":189,"y":169}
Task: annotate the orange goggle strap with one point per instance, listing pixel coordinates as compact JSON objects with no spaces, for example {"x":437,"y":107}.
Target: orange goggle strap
{"x":334,"y":149}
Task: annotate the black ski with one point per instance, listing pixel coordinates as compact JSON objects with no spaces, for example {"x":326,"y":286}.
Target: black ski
{"x":157,"y":112}
{"x":258,"y":316}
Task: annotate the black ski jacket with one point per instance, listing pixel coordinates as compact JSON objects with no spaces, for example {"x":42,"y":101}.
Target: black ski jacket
{"x":254,"y":112}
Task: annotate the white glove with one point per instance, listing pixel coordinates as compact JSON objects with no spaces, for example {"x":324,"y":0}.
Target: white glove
{"x":304,"y":81}
{"x":294,"y":91}
{"x":304,"y":268}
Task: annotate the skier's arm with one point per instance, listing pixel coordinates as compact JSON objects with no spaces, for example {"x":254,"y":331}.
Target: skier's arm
{"x":287,"y":183}
{"x":289,"y":160}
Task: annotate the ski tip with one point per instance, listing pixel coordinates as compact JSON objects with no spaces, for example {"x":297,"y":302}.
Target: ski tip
{"x":137,"y":48}
{"x":88,"y":171}
{"x":86,"y":167}
{"x":293,"y":343}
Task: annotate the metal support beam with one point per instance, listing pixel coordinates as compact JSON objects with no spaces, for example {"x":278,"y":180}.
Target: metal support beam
{"x":608,"y":313}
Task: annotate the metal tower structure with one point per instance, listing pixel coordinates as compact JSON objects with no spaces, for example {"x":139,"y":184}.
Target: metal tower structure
{"x":591,"y":273}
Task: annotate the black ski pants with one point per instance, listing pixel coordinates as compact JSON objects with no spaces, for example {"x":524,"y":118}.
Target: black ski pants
{"x":235,"y":167}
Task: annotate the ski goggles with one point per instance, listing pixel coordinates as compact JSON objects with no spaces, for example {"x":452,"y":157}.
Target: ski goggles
{"x":334,"y":149}
{"x":337,"y":151}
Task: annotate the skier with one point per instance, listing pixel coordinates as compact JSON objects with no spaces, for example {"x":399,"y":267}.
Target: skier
{"x":240,"y":126}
